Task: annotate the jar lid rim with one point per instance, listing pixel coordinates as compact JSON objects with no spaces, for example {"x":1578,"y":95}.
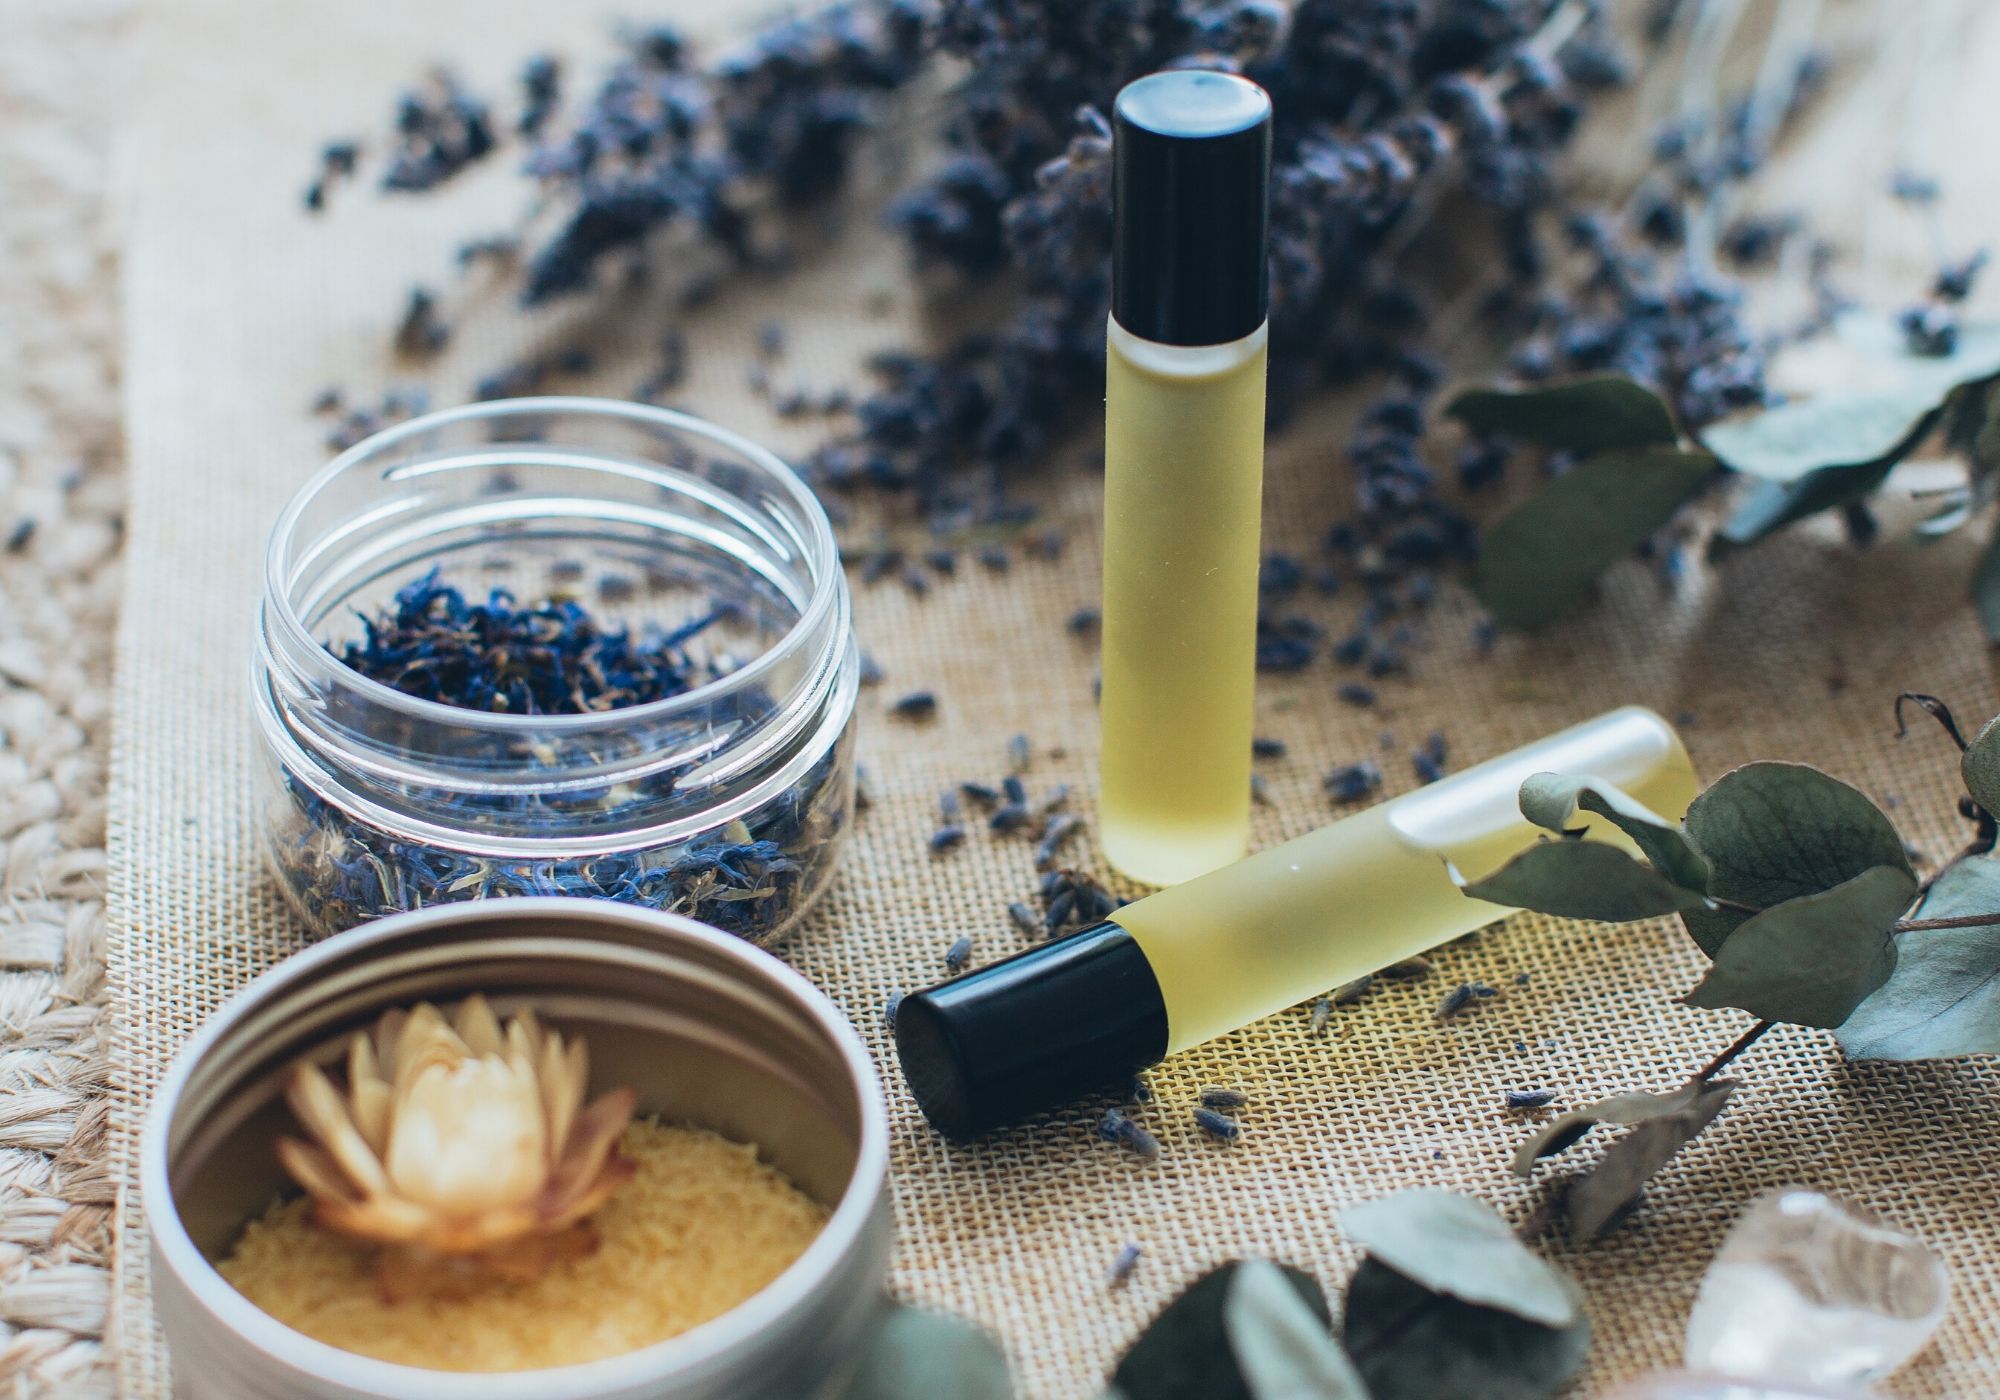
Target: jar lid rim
{"x":828,"y":582}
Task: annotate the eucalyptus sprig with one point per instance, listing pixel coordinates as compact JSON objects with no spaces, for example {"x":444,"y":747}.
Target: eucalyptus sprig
{"x":1637,"y":468}
{"x":1800,"y":891}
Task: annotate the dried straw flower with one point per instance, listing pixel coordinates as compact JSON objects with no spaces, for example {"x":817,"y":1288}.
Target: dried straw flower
{"x":458,"y":1142}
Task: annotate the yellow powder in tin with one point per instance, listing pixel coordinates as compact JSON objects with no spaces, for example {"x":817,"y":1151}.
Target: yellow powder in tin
{"x":700,"y":1228}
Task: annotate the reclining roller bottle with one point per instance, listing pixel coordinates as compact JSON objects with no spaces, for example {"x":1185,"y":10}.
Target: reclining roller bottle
{"x":1201,"y":959}
{"x":1183,"y":470}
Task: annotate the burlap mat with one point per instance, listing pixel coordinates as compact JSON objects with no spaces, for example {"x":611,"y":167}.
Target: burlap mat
{"x":241,"y":309}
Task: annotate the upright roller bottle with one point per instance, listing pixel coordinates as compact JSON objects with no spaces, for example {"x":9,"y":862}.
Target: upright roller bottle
{"x":1201,"y":959}
{"x":1183,"y":471}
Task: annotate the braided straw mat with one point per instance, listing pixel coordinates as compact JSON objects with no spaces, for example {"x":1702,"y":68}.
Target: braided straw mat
{"x":241,"y":308}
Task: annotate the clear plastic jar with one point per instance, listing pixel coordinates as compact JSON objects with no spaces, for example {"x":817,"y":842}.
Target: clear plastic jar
{"x":728,"y":803}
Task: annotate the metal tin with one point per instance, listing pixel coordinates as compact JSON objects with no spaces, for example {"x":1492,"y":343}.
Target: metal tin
{"x":706,"y":1028}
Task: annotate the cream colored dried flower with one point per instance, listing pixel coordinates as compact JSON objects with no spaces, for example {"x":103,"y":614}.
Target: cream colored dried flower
{"x":457,"y":1137}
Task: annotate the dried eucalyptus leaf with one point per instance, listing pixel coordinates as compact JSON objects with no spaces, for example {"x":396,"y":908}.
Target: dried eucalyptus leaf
{"x":1283,"y":1349}
{"x":916,"y":1354}
{"x":1769,"y":506}
{"x":1584,"y":880}
{"x":1552,"y":800}
{"x":1986,"y":589}
{"x":1454,"y":1244}
{"x":1596,"y":1201}
{"x":1596,"y":414}
{"x":1943,"y":999}
{"x":1549,"y":549}
{"x":1412,"y":1344}
{"x":1620,"y":1110}
{"x":1979,"y":766}
{"x":1187,"y":1351}
{"x":1812,"y":960}
{"x":1775,"y":831}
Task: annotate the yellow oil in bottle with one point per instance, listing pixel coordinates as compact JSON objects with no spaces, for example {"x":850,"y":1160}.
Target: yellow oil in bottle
{"x":1183,"y":484}
{"x":1372,"y":889}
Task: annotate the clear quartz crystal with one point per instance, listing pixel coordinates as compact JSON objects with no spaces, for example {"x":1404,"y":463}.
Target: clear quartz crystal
{"x":1808,"y":1291}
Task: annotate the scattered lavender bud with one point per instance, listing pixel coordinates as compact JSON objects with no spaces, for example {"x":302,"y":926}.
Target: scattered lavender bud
{"x":890,"y":1008}
{"x":948,"y":805}
{"x":1356,"y":694}
{"x":1060,"y":829}
{"x":918,"y":704}
{"x":1014,"y":789}
{"x":1024,"y":918}
{"x":979,"y":794}
{"x":1122,"y":1265}
{"x":1349,"y":993}
{"x":994,"y":559}
{"x":22,"y":535}
{"x":1019,"y":756}
{"x":1057,"y":799}
{"x":1223,"y":1098}
{"x":1267,"y":748}
{"x":1354,"y":782}
{"x":1425,"y":767}
{"x":1118,"y":1127}
{"x":1260,"y":790}
{"x":1082,"y":622}
{"x":1408,"y":970}
{"x":1530,"y":1098}
{"x":1322,"y":1012}
{"x":1218,"y":1126}
{"x":958,"y":955}
{"x":1521,"y":979}
{"x":1010,"y":816}
{"x":947,"y":838}
{"x":1139,"y":1091}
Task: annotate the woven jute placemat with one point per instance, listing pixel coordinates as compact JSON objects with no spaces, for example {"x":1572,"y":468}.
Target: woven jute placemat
{"x":241,"y":308}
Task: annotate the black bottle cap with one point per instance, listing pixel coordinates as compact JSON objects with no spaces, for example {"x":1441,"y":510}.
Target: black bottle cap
{"x":1031,"y":1031}
{"x":1191,"y":207}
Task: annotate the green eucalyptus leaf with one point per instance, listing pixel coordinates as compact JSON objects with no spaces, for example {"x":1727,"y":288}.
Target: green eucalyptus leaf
{"x":1806,"y":437}
{"x":1584,"y":880}
{"x":1548,"y":550}
{"x":1812,"y":960}
{"x":1283,"y":1349}
{"x":1188,"y":1351}
{"x":1456,"y":1245}
{"x":1775,"y":831}
{"x":1552,"y":800}
{"x":1596,"y":414}
{"x":1412,"y":1344}
{"x":1979,"y":766}
{"x":1943,"y":999}
{"x":1769,"y":506}
{"x":916,"y":1354}
{"x":1599,"y":1200}
{"x":1986,"y":588}
{"x":1857,"y":428}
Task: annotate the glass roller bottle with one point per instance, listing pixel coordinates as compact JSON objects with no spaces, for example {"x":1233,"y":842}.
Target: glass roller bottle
{"x":1183,"y":471}
{"x":1209,"y":956}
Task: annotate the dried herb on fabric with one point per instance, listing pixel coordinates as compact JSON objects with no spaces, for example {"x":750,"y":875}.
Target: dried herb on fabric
{"x":751,"y":876}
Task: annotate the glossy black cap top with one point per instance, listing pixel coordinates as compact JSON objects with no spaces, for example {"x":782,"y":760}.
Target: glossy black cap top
{"x":1029,"y":1032}
{"x":1191,"y":207}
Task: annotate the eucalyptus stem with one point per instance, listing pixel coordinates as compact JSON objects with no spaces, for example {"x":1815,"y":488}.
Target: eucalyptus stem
{"x":1957,"y":921}
{"x":1738,"y":1046}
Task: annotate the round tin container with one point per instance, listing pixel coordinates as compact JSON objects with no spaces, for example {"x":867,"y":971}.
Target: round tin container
{"x":708,"y":1029}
